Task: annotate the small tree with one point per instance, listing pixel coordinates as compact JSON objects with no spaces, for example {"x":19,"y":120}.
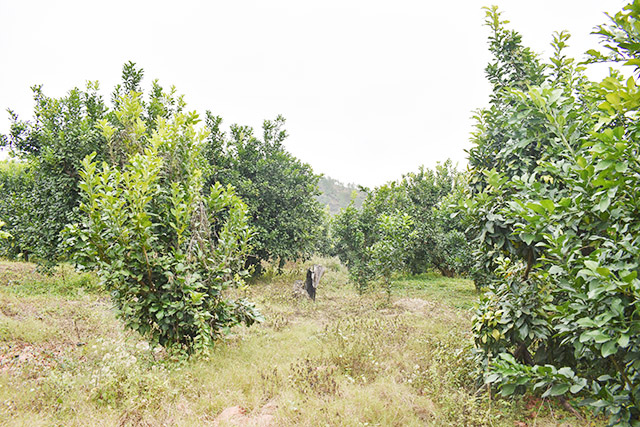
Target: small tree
{"x":280,"y":190}
{"x":164,"y":250}
{"x":44,"y":198}
{"x":436,"y":238}
{"x":387,"y":254}
{"x":16,"y":187}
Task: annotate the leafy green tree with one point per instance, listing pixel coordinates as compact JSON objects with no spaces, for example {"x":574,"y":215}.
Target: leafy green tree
{"x":436,"y":237}
{"x":561,"y":312}
{"x":513,"y":140}
{"x":166,"y":251}
{"x":16,"y":185}
{"x":324,"y":242}
{"x":439,"y":239}
{"x":61,"y":133}
{"x":279,"y":189}
{"x":44,"y":197}
{"x":350,"y":244}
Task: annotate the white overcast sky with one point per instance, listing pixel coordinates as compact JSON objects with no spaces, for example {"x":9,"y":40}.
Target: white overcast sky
{"x":370,"y":89}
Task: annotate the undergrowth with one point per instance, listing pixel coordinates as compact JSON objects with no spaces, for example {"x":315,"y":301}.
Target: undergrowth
{"x":343,"y":360}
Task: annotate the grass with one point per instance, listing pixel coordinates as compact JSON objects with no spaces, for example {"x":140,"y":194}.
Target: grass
{"x":344,"y":360}
{"x":454,"y":292}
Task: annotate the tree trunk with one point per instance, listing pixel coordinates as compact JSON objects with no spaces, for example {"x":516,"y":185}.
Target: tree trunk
{"x":313,"y":279}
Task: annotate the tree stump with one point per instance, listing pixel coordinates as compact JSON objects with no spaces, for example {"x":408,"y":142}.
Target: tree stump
{"x":309,"y":286}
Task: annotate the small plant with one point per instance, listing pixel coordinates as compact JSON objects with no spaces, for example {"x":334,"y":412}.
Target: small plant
{"x":359,"y":346}
{"x":310,"y":377}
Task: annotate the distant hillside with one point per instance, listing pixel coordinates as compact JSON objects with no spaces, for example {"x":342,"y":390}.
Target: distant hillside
{"x":337,"y":195}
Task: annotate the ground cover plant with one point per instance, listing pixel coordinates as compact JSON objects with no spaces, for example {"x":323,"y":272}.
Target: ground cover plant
{"x":344,"y":360}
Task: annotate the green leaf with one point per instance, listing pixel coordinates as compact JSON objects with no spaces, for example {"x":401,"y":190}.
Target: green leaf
{"x":555,"y":269}
{"x":600,"y":337}
{"x":507,"y":389}
{"x":609,"y":348}
{"x":629,"y":277}
{"x":491,"y":378}
{"x":548,"y":205}
{"x":623,"y":341}
{"x":604,"y":164}
{"x":576,"y":388}
{"x":537,"y":208}
{"x":566,"y":372}
{"x":604,"y":204}
{"x":621,"y":167}
{"x":527,"y":238}
{"x":558,"y":389}
{"x":591,"y":265}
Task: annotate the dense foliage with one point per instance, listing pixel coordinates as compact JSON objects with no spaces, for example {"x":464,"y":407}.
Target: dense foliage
{"x":3,"y":234}
{"x":433,"y":231}
{"x":16,"y":184}
{"x":388,"y":253}
{"x":41,"y":194}
{"x":555,"y":168}
{"x":279,"y":190}
{"x":165,"y":250}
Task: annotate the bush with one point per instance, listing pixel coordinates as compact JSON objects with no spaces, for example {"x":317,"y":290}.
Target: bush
{"x":164,"y":250}
{"x":563,"y":225}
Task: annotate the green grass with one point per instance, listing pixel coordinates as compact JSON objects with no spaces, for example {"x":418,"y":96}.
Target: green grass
{"x":454,"y":292}
{"x":25,"y":279}
{"x":346,"y":360}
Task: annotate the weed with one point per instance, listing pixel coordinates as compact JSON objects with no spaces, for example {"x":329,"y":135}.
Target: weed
{"x":311,"y":376}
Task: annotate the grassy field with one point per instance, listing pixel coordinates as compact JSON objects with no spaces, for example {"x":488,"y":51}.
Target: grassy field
{"x":345,"y":360}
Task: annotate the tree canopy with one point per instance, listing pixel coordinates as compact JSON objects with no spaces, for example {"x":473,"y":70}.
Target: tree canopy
{"x":279,"y":190}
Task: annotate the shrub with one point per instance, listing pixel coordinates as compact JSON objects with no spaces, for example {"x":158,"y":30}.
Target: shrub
{"x":164,"y":250}
{"x":563,"y":224}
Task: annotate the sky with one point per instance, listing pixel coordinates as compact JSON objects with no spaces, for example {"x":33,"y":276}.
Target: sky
{"x":370,"y":89}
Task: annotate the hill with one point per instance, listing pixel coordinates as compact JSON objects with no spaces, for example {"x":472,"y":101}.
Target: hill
{"x":337,"y":195}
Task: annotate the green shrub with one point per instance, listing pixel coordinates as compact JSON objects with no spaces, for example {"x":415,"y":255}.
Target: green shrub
{"x":557,"y":210}
{"x":164,"y":250}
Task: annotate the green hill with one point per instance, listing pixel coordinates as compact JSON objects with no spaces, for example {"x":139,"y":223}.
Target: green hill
{"x":337,"y":195}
